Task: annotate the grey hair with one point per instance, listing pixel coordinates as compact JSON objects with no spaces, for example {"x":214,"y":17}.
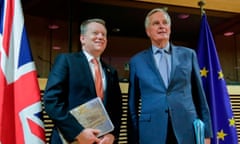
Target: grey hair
{"x":163,"y":10}
{"x":83,"y":27}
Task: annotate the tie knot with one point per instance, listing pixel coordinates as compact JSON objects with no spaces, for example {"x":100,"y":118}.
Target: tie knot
{"x":94,"y":61}
{"x":161,"y":51}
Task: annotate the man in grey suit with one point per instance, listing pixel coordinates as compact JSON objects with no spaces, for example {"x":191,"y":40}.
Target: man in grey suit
{"x":165,"y":98}
{"x":72,"y":83}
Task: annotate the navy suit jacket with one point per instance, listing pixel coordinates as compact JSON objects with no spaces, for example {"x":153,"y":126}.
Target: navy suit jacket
{"x":183,"y":100}
{"x":70,"y":84}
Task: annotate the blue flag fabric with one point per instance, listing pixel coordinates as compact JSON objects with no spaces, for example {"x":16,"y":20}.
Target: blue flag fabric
{"x":223,"y":123}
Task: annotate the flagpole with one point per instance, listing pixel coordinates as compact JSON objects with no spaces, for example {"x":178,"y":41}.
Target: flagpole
{"x":201,"y":3}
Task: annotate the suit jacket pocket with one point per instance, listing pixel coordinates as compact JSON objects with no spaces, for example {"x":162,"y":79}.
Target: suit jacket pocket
{"x":145,"y":117}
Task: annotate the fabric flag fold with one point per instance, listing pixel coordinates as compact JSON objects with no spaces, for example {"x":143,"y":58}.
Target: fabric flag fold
{"x":20,"y":101}
{"x":223,"y":123}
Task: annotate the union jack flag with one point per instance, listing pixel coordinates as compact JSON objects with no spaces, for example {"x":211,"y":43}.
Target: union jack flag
{"x":20,"y":103}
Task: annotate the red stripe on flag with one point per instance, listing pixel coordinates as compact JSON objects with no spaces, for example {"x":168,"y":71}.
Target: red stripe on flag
{"x":7,"y":115}
{"x":36,"y":129}
{"x":27,"y":92}
{"x":8,"y":24}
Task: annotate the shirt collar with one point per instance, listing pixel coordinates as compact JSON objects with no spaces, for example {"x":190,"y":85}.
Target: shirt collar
{"x":89,"y":56}
{"x":155,"y":49}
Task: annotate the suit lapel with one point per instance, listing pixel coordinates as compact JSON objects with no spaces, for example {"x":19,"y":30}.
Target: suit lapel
{"x":174,"y":61}
{"x":84,"y":66}
{"x":151,"y":62}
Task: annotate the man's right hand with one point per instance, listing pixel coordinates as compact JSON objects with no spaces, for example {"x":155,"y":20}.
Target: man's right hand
{"x":88,"y":136}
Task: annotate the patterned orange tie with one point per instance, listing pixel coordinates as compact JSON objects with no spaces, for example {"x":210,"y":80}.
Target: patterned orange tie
{"x":98,"y":78}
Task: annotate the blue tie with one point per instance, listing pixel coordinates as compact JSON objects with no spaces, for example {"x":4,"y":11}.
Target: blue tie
{"x":164,"y":67}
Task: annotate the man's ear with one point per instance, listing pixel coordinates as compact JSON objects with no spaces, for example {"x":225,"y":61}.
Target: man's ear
{"x":147,"y":32}
{"x":81,"y":38}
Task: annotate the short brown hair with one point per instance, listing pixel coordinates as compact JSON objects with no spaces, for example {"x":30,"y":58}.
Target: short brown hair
{"x":88,"y":21}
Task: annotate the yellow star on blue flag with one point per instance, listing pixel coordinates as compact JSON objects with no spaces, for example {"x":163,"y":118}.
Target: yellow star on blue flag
{"x":231,"y":122}
{"x":220,"y":75}
{"x":221,"y":135}
{"x":203,"y":72}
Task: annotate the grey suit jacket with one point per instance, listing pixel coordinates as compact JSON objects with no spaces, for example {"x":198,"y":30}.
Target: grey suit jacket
{"x":183,"y":100}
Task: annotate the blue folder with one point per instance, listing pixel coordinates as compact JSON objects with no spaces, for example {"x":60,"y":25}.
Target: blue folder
{"x":199,"y":131}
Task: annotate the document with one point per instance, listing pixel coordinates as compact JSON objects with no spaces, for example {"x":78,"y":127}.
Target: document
{"x":93,"y":114}
{"x":199,"y":131}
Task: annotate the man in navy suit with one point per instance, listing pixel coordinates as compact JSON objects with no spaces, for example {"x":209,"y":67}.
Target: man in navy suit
{"x":71,"y":83}
{"x":164,"y":105}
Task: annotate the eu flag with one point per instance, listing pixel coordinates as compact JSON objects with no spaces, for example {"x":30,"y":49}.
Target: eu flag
{"x":223,"y":123}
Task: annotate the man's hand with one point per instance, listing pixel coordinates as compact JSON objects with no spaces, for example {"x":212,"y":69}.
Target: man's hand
{"x":88,"y":136}
{"x":207,"y":141}
{"x":107,"y":139}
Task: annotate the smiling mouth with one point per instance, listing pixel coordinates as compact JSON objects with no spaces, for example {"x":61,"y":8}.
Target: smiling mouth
{"x":161,"y":33}
{"x":99,"y":44}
